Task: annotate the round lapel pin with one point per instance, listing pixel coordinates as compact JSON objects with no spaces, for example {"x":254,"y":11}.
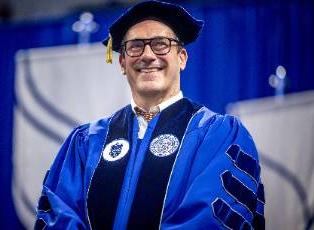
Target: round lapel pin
{"x":116,"y":150}
{"x":164,"y":145}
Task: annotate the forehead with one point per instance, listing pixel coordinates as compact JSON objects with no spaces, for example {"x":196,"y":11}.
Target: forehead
{"x":148,"y":29}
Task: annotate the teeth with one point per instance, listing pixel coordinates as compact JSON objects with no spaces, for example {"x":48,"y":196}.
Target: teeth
{"x":149,"y":70}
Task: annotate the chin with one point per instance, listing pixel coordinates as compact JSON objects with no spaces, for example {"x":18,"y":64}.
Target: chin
{"x":149,"y":77}
{"x":150,"y":90}
{"x":148,"y":85}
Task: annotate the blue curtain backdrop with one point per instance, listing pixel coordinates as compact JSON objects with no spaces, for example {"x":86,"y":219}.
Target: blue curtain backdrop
{"x":241,"y":45}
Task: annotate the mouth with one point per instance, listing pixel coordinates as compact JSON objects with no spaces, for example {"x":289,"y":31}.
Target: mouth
{"x":149,"y":70}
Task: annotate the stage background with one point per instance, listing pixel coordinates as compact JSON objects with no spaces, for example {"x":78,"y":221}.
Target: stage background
{"x":240,"y":47}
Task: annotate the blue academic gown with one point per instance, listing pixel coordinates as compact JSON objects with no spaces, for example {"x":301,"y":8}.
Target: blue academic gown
{"x":193,"y":169}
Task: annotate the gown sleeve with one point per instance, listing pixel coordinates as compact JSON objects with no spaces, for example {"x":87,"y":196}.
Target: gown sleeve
{"x":61,"y":205}
{"x":224,"y":188}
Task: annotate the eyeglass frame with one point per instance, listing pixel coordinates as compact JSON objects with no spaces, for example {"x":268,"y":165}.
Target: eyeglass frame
{"x":148,"y":41}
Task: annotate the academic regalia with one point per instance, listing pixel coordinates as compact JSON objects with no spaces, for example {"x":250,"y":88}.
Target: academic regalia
{"x":194,"y":169}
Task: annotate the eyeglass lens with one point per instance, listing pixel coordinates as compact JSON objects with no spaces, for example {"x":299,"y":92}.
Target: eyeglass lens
{"x":159,"y":45}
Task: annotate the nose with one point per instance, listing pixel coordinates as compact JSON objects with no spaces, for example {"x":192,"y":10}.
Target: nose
{"x":148,"y":53}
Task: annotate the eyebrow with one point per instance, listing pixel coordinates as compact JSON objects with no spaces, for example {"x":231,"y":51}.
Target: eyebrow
{"x":167,"y":33}
{"x":152,"y":38}
{"x":170,"y":35}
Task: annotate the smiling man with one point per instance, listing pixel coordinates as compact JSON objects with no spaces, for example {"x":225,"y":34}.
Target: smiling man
{"x":163,"y":161}
{"x":152,"y":61}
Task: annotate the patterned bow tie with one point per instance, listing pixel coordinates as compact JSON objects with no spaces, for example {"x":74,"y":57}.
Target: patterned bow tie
{"x":146,"y":115}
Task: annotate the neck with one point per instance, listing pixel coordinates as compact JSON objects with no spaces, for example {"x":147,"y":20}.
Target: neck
{"x":148,"y":101}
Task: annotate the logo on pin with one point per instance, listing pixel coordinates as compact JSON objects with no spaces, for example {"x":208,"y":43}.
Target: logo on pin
{"x":116,"y":150}
{"x":164,"y":145}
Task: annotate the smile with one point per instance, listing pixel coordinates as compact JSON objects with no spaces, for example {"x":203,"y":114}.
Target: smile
{"x":149,"y":70}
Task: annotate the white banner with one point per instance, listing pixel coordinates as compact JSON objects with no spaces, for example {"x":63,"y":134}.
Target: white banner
{"x":283,"y":129}
{"x":57,"y":89}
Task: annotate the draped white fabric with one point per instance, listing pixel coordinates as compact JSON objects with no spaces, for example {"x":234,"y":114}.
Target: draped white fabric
{"x":283,"y":129}
{"x":57,"y":89}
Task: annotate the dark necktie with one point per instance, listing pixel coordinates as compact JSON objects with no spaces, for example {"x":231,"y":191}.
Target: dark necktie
{"x":146,"y":115}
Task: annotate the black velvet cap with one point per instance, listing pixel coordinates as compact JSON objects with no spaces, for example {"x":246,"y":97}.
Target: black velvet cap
{"x":185,"y":26}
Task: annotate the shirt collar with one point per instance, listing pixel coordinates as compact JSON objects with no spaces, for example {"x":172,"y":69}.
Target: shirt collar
{"x":163,"y":104}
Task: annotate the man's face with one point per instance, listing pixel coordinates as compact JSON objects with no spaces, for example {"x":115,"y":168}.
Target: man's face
{"x":151,"y":75}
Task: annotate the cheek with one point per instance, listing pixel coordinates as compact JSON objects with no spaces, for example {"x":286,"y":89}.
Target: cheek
{"x":174,"y":66}
{"x":129,"y":63}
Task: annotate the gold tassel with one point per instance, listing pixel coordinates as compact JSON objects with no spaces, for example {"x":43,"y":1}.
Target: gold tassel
{"x":109,"y":50}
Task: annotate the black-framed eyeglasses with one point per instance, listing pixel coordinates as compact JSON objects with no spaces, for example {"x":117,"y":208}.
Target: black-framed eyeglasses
{"x":159,"y":45}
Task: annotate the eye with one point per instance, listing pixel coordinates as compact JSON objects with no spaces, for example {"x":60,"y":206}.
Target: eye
{"x":134,"y":45}
{"x":160,"y":44}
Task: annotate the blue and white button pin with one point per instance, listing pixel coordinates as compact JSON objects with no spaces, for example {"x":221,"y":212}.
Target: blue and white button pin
{"x":116,"y":150}
{"x":164,"y":145}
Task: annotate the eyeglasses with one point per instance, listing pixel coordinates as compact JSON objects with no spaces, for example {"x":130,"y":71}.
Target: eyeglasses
{"x":159,"y":46}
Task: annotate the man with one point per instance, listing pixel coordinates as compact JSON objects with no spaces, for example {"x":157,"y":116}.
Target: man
{"x":163,"y":161}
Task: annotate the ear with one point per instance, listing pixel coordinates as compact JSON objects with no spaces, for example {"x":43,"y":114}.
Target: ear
{"x":122,"y":63}
{"x":183,"y":58}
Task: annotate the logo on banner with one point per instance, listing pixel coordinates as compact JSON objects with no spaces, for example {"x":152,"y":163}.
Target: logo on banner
{"x":164,"y":145}
{"x":116,"y":150}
